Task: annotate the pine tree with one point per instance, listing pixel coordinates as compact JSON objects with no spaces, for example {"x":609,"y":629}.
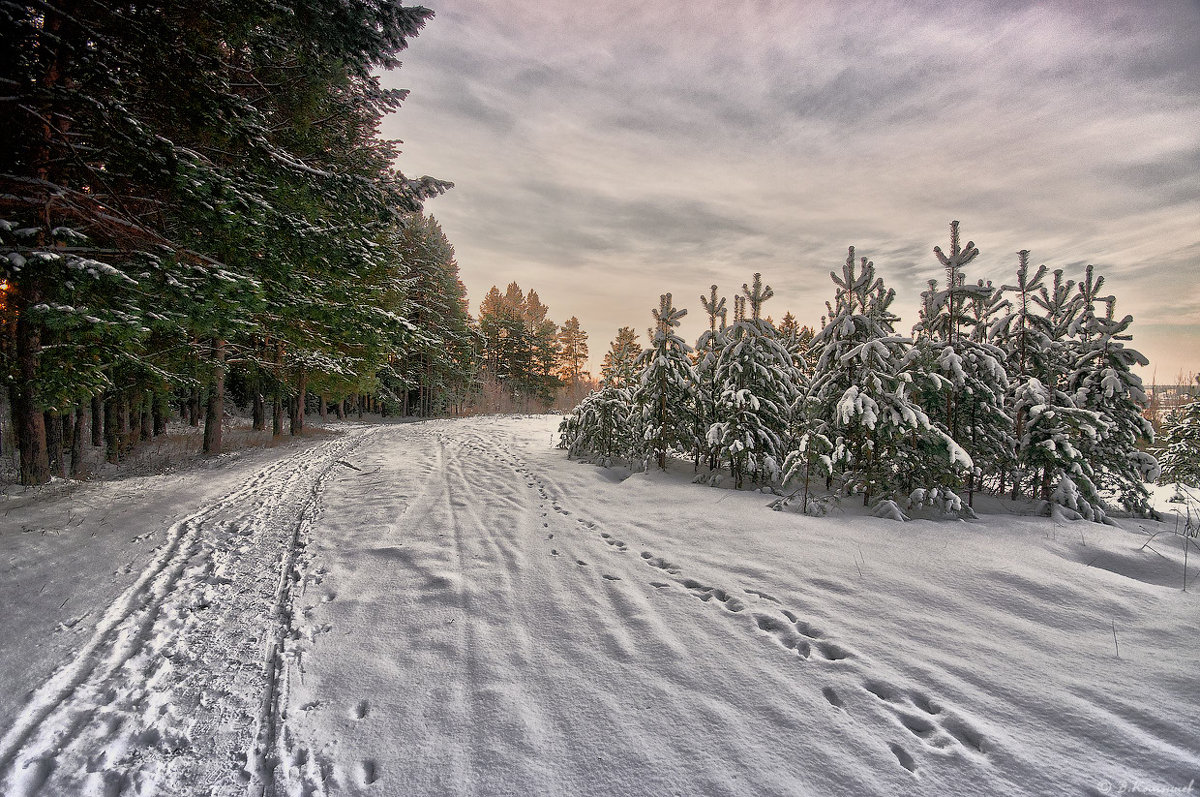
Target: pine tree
{"x":796,"y":339}
{"x":430,"y":369}
{"x":573,"y":353}
{"x":1054,"y":431}
{"x":1025,"y":337}
{"x":664,"y":397}
{"x":966,"y":398}
{"x":757,"y":385}
{"x":1178,"y":444}
{"x":709,"y":347}
{"x":507,"y":343}
{"x":619,"y":368}
{"x":1103,"y":381}
{"x":545,"y":375}
{"x":601,"y":427}
{"x":884,"y":445}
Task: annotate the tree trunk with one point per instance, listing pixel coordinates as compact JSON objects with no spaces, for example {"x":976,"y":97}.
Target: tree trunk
{"x":54,"y":443}
{"x":277,"y":402}
{"x":123,"y":441}
{"x":194,"y":406}
{"x":324,"y":409}
{"x":277,"y":415}
{"x":161,"y":409}
{"x":297,"y":427}
{"x":112,"y":430}
{"x":97,"y":421}
{"x":215,"y":409}
{"x":77,"y":442}
{"x":259,"y":412}
{"x":339,"y":410}
{"x":147,"y":410}
{"x":28,"y":421}
{"x":68,"y":432}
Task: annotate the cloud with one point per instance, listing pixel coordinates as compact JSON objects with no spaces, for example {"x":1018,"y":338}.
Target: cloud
{"x":606,"y":152}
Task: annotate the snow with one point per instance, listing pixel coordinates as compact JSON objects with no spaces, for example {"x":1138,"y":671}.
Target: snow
{"x":452,"y":607}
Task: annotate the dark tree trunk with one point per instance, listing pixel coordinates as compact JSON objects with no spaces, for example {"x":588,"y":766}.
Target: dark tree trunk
{"x":194,"y":406}
{"x":54,"y":443}
{"x":297,"y":425}
{"x":112,"y":430}
{"x":123,"y":435}
{"x":339,"y":410}
{"x":324,"y":408}
{"x":277,"y":416}
{"x":277,"y":404}
{"x":215,"y":408}
{"x":162,"y":408}
{"x":97,"y":421}
{"x":28,"y":421}
{"x":147,"y":410}
{"x":259,"y":412}
{"x":77,"y":442}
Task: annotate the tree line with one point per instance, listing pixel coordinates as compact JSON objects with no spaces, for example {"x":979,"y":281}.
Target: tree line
{"x":1022,"y":389}
{"x":527,"y":359}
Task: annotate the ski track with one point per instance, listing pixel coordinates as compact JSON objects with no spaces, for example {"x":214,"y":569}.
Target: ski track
{"x":180,"y":683}
{"x":920,"y":723}
{"x":188,"y":676}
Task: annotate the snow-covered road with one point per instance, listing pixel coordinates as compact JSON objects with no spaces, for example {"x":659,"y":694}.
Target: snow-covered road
{"x":451,"y":608}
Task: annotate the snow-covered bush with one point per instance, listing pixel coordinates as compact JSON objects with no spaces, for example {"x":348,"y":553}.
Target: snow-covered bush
{"x":600,"y":428}
{"x":1178,"y":445}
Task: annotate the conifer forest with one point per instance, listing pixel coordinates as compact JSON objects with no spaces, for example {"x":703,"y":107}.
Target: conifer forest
{"x":198,"y":215}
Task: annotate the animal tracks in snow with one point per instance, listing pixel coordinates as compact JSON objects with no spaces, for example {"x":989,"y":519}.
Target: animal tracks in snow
{"x":927,"y":724}
{"x":925,"y":718}
{"x":925,"y":721}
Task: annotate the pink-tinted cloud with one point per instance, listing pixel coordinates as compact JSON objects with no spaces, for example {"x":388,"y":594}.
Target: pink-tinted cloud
{"x":607,"y":152}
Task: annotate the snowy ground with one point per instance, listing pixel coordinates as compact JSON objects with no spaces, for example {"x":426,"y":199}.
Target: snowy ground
{"x":451,"y":607}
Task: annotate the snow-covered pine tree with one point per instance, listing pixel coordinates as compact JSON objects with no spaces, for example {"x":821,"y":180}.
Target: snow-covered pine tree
{"x":796,"y":339}
{"x":1053,"y":430}
{"x":757,"y":385}
{"x":1024,"y":334}
{"x":434,"y":370}
{"x":861,"y":398}
{"x":708,"y":348}
{"x":1103,"y":381}
{"x":1178,"y":444}
{"x":601,"y":427}
{"x":966,"y":399}
{"x":619,"y":368}
{"x":808,"y":450}
{"x":665,"y":395}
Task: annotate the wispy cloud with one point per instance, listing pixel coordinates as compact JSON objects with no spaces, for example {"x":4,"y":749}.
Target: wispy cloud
{"x":606,"y":152}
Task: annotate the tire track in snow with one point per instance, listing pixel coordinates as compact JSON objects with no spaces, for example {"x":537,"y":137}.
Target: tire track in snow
{"x":139,"y":703}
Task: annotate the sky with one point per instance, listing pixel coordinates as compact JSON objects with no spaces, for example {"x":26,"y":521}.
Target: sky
{"x":604,"y":153}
